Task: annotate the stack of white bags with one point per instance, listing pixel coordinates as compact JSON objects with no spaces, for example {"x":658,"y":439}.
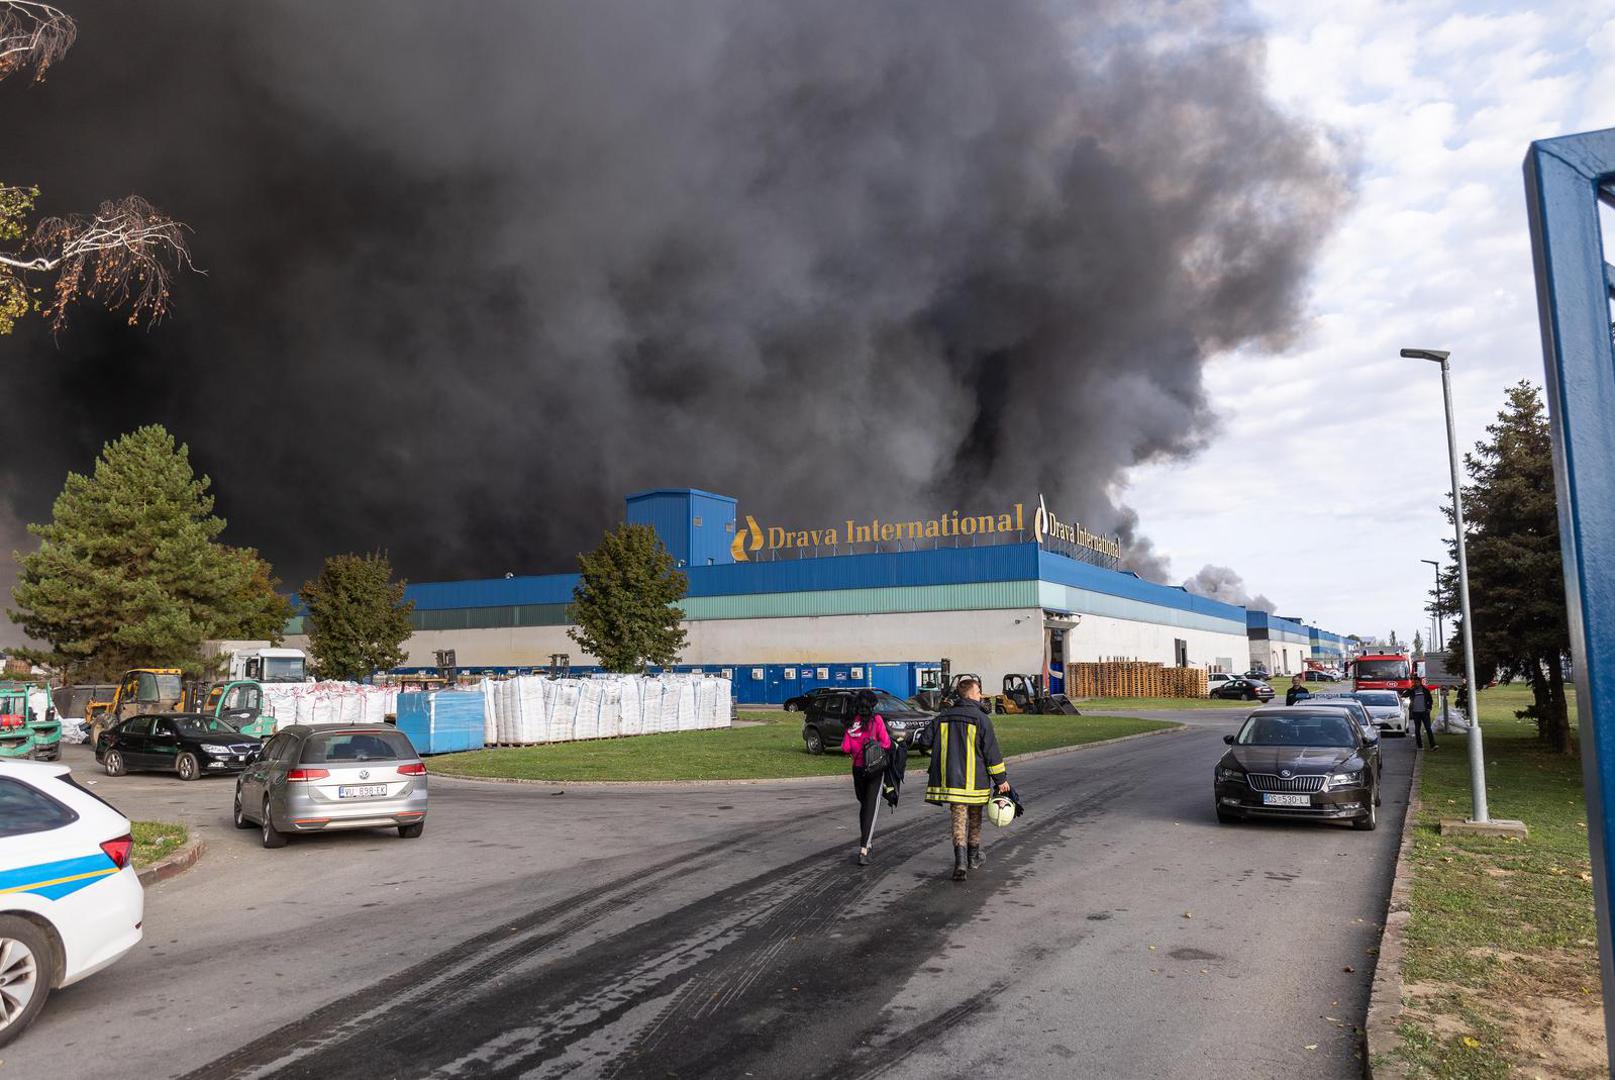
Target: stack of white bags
{"x":329,"y":703}
{"x":535,"y":709}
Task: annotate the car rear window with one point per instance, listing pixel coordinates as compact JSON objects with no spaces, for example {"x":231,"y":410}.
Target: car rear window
{"x":24,"y":810}
{"x":383,"y":744}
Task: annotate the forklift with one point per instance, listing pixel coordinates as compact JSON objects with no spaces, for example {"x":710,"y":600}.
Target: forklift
{"x":1025,"y":694}
{"x":939,"y":687}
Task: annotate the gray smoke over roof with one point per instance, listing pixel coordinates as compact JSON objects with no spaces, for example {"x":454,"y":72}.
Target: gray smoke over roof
{"x":474,"y":272}
{"x":1221,"y":583}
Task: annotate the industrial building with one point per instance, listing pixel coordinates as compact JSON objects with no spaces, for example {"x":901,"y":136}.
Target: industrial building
{"x":1012,"y":591}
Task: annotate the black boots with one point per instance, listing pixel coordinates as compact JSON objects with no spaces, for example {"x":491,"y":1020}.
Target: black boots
{"x":960,"y":866}
{"x":976,"y":860}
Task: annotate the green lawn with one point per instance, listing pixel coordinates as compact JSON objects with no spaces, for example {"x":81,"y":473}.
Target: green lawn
{"x":154,"y":839}
{"x":1502,"y":962}
{"x":769,"y":750}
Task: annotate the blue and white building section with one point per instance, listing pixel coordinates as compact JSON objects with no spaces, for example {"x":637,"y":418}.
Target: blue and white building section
{"x":1328,"y":648}
{"x":1279,"y":646}
{"x":1004,"y":601}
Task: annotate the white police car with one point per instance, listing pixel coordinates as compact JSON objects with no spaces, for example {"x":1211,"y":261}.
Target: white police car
{"x":70,"y":903}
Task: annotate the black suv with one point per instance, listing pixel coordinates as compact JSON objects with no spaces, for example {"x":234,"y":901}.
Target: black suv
{"x":828,"y":712}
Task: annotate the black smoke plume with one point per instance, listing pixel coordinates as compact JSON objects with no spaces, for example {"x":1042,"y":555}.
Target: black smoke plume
{"x":475,"y":271}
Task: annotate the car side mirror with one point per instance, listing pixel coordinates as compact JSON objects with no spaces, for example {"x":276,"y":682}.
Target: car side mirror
{"x":1229,"y":739}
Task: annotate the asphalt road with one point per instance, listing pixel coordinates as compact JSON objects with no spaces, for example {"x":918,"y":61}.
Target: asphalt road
{"x":1116,"y":931}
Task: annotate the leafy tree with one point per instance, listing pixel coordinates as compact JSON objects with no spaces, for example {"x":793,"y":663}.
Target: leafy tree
{"x":124,"y":255}
{"x":625,"y":608}
{"x":358,"y":619}
{"x":1516,"y":574}
{"x":129,"y":572}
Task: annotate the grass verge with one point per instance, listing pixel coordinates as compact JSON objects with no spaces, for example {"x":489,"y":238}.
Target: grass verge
{"x":154,"y":839}
{"x":1501,"y":974}
{"x":770,"y":750}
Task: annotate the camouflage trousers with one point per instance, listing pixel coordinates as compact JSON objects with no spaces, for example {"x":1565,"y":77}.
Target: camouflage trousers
{"x":966,"y":825}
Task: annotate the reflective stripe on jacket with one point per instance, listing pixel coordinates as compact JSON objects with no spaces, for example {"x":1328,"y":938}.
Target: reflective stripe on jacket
{"x":965,"y":760}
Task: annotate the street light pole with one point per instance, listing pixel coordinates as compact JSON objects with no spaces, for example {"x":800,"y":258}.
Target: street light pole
{"x":1477,"y":756}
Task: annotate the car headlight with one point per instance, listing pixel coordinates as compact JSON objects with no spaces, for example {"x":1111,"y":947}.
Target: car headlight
{"x":1346,"y":779}
{"x":1234,"y":775}
{"x":209,"y":748}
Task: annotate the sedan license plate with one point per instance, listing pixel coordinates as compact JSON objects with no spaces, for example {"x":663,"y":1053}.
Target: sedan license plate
{"x":367,"y":791}
{"x":1286,"y":800}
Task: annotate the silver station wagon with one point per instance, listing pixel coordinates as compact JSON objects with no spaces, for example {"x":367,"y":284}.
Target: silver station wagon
{"x":323,"y":777}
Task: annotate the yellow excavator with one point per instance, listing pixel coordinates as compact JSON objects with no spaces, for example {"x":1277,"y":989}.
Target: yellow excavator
{"x":140,"y":690}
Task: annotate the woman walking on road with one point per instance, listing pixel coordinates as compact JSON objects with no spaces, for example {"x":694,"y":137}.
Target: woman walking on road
{"x":865,"y":728}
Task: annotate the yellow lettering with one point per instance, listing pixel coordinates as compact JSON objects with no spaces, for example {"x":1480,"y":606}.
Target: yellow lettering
{"x":932,"y":529}
{"x":984,"y":523}
{"x":968,"y":526}
{"x":776,"y":536}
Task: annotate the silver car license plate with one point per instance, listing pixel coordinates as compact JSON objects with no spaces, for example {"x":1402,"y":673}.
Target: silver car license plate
{"x":366,"y":791}
{"x":1286,"y":800}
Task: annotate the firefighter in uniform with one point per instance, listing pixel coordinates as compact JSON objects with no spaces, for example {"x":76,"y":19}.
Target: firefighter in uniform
{"x":966,"y":765}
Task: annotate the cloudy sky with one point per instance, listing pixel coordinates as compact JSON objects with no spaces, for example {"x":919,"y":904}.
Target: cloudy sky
{"x":1324,"y":488}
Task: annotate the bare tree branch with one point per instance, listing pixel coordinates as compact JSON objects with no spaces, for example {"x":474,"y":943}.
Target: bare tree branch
{"x":32,"y":34}
{"x":124,"y":255}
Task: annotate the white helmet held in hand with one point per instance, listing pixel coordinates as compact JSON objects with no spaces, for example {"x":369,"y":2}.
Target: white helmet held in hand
{"x":1000,"y":811}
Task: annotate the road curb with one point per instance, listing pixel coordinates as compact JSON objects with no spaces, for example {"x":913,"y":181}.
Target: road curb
{"x":173,"y":865}
{"x":792,"y":781}
{"x":1385,"y":993}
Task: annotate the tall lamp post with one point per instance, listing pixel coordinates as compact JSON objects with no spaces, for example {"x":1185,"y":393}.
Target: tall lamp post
{"x":1477,"y":757}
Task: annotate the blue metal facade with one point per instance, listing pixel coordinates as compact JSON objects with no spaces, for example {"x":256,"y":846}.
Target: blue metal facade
{"x":1565,"y":181}
{"x":696,"y":526}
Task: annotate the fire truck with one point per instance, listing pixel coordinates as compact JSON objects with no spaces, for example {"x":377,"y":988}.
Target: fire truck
{"x":1383,"y":669}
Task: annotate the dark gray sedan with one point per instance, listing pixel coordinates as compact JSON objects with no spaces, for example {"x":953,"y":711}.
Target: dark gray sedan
{"x":333,"y":776}
{"x":1309,"y":761}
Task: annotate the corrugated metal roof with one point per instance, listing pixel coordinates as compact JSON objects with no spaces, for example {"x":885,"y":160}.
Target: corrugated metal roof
{"x":965,"y":597}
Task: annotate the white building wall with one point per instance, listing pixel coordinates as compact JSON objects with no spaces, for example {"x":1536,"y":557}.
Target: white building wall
{"x":991,"y":643}
{"x":1280,"y":656}
{"x":1100,"y":637}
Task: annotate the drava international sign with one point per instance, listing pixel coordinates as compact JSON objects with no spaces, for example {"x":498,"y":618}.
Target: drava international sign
{"x":752,"y":538}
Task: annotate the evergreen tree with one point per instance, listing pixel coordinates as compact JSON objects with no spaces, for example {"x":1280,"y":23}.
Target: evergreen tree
{"x":1516,"y":574}
{"x":129,"y":571}
{"x":625,"y":608}
{"x":1418,"y":645}
{"x":356,"y":616}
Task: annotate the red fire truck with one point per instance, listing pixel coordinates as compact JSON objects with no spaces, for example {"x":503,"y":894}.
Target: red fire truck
{"x":1383,"y":669}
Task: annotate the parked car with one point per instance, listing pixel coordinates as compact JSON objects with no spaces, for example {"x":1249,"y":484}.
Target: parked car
{"x":189,"y":745}
{"x":799,"y":703}
{"x":1218,"y":678}
{"x":70,"y":903}
{"x":325,"y":777}
{"x":1258,"y":674}
{"x":1305,"y":761}
{"x":1312,"y":675}
{"x":1243,"y":689}
{"x":1352,"y":707}
{"x":827,"y":715}
{"x":1386,"y":708}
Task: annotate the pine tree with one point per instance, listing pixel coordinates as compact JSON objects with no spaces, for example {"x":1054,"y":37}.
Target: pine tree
{"x":1516,"y":574}
{"x":357,"y":617}
{"x":129,"y":571}
{"x":625,"y":607}
{"x":1418,"y":645}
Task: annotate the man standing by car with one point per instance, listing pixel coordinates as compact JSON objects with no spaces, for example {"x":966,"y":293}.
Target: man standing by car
{"x":1420,"y":702}
{"x":1297,"y":691}
{"x":966,"y":764}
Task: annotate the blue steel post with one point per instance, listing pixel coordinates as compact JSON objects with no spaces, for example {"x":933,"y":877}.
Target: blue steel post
{"x":1565,"y":179}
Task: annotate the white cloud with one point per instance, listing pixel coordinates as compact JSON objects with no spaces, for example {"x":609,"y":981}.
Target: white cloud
{"x":1326,"y":485}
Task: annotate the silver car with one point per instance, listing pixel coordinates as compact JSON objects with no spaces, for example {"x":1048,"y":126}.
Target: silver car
{"x":333,"y":776}
{"x":1387,"y":709}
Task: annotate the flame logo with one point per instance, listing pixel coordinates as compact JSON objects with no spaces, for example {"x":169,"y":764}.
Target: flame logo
{"x":737,"y":546}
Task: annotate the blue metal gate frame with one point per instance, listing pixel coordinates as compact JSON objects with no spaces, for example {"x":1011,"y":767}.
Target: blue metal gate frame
{"x":1565,"y":180}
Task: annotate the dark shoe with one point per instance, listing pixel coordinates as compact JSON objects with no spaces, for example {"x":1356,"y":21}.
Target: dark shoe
{"x":976,"y":859}
{"x":863,"y":858}
{"x":960,"y":865}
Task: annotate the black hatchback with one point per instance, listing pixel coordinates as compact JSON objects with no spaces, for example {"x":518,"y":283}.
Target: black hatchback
{"x":829,"y":711}
{"x":186,"y":744}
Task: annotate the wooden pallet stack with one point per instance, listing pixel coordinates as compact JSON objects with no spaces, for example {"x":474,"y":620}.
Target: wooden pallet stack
{"x":1121,"y":677}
